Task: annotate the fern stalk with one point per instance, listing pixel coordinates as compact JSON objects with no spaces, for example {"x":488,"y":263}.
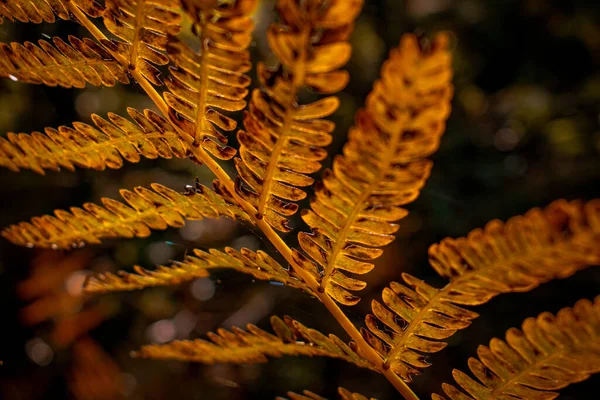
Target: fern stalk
{"x":201,"y":112}
{"x":365,"y":349}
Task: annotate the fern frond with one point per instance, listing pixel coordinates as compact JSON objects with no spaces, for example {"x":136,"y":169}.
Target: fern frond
{"x":258,"y":264}
{"x":283,"y":142}
{"x":383,"y":167}
{"x":84,"y":146}
{"x":202,"y":85}
{"x":38,"y":11}
{"x":548,"y":353}
{"x":306,"y":395}
{"x":254,"y":345}
{"x":522,"y":253}
{"x":59,"y":63}
{"x":147,"y":209}
{"x":144,"y":27}
{"x":345,"y":394}
{"x":517,"y":256}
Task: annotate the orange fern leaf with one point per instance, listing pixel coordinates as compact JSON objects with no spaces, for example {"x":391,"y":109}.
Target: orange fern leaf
{"x":255,"y":345}
{"x":519,"y":255}
{"x":64,"y":64}
{"x":283,"y":141}
{"x":147,"y":209}
{"x":200,"y":84}
{"x":383,"y":166}
{"x":345,"y":394}
{"x":87,"y":147}
{"x":512,"y":257}
{"x":258,"y":264}
{"x":548,"y":353}
{"x":144,"y":25}
{"x":38,"y":11}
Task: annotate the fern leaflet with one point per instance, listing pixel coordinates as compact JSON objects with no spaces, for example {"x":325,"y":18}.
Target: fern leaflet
{"x":213,"y":79}
{"x":255,"y":345}
{"x":516,"y":256}
{"x":64,"y":64}
{"x":548,"y":353}
{"x":144,"y":25}
{"x":383,"y":166}
{"x":87,"y":147}
{"x":345,"y":394}
{"x":283,"y":142}
{"x":38,"y":11}
{"x":258,"y":264}
{"x":148,"y":209}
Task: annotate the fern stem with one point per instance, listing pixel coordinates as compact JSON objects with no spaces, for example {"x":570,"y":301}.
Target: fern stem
{"x":365,"y":349}
{"x":85,"y":21}
{"x":201,"y":109}
{"x":158,"y":101}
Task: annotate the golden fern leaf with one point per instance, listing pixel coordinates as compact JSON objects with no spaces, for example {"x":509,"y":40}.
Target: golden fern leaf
{"x":147,"y":209}
{"x":517,"y":256}
{"x":548,"y":353}
{"x":64,"y":64}
{"x":144,"y":25}
{"x":202,"y":85}
{"x":345,"y":394}
{"x":306,"y":395}
{"x":283,"y":142}
{"x":38,"y":11}
{"x":383,"y":166}
{"x":258,"y":264}
{"x":254,"y":345}
{"x":84,"y":146}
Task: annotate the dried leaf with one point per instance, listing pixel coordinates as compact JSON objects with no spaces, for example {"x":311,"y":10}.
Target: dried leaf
{"x":254,"y":346}
{"x":144,"y":27}
{"x":84,"y":146}
{"x":203,"y":84}
{"x":59,"y":63}
{"x":514,"y":257}
{"x":38,"y":11}
{"x":383,"y":166}
{"x":147,"y":209}
{"x":548,"y":353}
{"x":308,"y":395}
{"x":258,"y":264}
{"x":283,"y":142}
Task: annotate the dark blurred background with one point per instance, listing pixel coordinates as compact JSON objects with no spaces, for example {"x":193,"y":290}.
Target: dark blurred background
{"x":524,"y":131}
